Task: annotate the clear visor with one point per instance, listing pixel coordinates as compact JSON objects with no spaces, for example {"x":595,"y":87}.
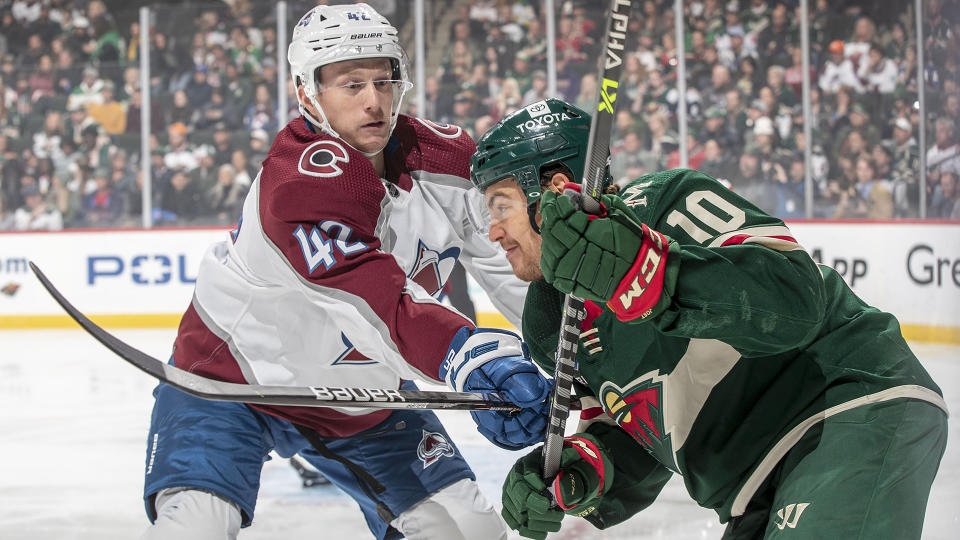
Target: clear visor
{"x":393,"y":87}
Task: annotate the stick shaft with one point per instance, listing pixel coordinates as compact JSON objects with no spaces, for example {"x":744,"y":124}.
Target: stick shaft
{"x":304,"y":396}
{"x":597,"y":158}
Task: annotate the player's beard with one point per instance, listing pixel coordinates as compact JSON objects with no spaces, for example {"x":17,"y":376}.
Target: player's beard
{"x":527,"y":266}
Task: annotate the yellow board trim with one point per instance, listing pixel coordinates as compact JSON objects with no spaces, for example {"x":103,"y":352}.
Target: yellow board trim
{"x":932,"y":334}
{"x":912,"y":332}
{"x":26,"y":322}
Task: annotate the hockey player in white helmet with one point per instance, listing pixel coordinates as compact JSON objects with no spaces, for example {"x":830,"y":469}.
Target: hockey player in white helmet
{"x":331,"y":278}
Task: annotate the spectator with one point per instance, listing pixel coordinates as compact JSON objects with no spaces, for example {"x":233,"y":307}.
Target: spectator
{"x":134,"y":107}
{"x":42,"y":81}
{"x":244,"y":54}
{"x":245,"y":173}
{"x":695,"y":153}
{"x":781,"y":91}
{"x":945,"y":203}
{"x":537,"y":91}
{"x":36,"y":48}
{"x":181,"y":201}
{"x":793,"y":74}
{"x":715,"y":96}
{"x":204,"y":176}
{"x":752,"y":183}
{"x":723,"y":127}
{"x":36,"y":214}
{"x":790,"y":189}
{"x":222,"y":147}
{"x":198,"y":90}
{"x":860,"y":121}
{"x":534,"y":43}
{"x":715,"y":162}
{"x":773,"y":40}
{"x":877,"y":72}
{"x":838,"y":71}
{"x":757,"y":16}
{"x":747,"y":80}
{"x":129,"y":84}
{"x":109,"y":113}
{"x":945,"y":153}
{"x":180,"y":112}
{"x":904,"y":169}
{"x":259,"y":146}
{"x":508,"y":99}
{"x":46,"y":143}
{"x":587,"y":97}
{"x":858,"y":47}
{"x":868,"y":198}
{"x":88,"y":91}
{"x":216,"y":110}
{"x":483,"y":124}
{"x":655,"y":92}
{"x":104,"y":206}
{"x":627,"y":161}
{"x":179,"y":154}
{"x":262,"y":113}
{"x":732,"y":50}
{"x":458,"y":64}
{"x":225,"y":197}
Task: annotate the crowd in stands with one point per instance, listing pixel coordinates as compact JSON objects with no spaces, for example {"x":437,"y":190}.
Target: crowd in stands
{"x":70,"y":100}
{"x":744,"y":86}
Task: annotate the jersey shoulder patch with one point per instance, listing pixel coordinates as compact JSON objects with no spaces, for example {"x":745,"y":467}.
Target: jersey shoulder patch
{"x":435,"y":148}
{"x":323,"y":159}
{"x":308,"y":177}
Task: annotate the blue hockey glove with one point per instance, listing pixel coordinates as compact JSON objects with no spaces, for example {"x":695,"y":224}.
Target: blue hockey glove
{"x":491,"y":360}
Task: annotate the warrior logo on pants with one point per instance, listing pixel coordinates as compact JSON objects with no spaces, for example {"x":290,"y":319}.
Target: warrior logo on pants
{"x":432,"y":447}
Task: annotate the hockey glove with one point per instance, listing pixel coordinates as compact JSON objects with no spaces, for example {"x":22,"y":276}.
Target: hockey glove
{"x":610,"y":258}
{"x":491,"y":360}
{"x":586,"y":472}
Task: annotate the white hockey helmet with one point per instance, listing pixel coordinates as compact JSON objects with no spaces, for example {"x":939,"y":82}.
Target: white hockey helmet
{"x":328,"y":34}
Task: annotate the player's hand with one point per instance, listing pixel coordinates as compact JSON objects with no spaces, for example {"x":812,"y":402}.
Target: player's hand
{"x":492,"y":360}
{"x":586,"y":472}
{"x":609,"y":258}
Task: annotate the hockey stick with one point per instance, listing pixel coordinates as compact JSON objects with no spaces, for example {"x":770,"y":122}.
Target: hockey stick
{"x":598,"y":144}
{"x":306,"y":396}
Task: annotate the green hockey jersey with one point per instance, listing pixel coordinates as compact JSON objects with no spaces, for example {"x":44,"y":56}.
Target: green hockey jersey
{"x":757,"y":343}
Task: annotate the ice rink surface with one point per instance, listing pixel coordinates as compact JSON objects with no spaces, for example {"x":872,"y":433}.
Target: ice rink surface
{"x":73,"y":423}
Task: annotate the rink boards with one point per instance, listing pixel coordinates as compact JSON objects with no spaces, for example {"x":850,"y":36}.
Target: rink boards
{"x":144,"y":278}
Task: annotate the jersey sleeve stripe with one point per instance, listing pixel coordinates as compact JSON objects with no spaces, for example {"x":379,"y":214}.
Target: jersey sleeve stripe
{"x":775,"y":237}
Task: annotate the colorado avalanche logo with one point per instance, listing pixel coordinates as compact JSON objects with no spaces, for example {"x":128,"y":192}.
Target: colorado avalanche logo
{"x":350,"y":356}
{"x":446,"y":131}
{"x":431,"y":268}
{"x":638,"y":411}
{"x":321,"y":158}
{"x":305,"y":21}
{"x":432,"y":447}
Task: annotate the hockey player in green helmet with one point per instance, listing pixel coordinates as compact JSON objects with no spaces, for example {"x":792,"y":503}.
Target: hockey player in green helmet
{"x":713,"y":348}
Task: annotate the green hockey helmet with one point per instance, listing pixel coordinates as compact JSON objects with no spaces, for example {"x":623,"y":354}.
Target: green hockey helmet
{"x":522,"y":144}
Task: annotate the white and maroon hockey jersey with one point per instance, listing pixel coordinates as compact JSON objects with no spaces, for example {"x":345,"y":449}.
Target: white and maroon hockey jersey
{"x":332,"y":275}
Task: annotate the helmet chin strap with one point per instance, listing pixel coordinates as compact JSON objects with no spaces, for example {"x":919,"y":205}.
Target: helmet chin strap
{"x":532,"y":212}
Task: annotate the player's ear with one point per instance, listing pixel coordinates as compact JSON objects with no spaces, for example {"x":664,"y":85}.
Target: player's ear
{"x":557,"y":182}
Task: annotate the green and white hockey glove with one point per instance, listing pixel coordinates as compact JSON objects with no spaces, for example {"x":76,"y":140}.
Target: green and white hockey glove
{"x":609,"y":258}
{"x":586,"y":472}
